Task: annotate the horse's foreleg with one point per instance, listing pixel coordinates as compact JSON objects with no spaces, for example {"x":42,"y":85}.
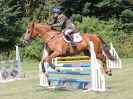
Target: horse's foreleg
{"x":44,"y":59}
{"x":44,"y":68}
{"x":49,"y":58}
{"x":100,"y":56}
{"x":53,"y":55}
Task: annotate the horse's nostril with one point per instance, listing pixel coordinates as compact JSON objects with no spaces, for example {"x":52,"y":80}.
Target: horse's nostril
{"x":24,"y":42}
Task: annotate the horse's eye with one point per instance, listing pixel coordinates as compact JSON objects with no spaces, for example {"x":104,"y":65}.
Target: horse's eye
{"x":28,"y":31}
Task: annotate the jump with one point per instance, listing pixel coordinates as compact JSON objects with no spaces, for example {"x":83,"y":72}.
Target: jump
{"x":57,"y":46}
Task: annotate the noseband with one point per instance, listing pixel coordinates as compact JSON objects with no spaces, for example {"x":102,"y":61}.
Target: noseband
{"x":40,"y":35}
{"x":30,"y":36}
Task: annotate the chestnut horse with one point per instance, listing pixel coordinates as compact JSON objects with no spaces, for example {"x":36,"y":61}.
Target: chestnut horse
{"x":57,"y":46}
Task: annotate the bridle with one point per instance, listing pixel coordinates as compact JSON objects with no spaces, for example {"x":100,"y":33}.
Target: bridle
{"x":43,"y":33}
{"x":32,"y":33}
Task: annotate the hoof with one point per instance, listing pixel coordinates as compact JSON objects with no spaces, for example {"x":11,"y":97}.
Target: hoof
{"x":53,"y":67}
{"x":109,"y":73}
{"x":57,"y":69}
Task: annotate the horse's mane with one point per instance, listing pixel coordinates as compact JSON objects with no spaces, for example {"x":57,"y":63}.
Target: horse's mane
{"x":43,"y":25}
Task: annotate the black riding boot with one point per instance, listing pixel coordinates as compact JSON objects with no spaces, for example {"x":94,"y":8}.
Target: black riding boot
{"x":71,"y":40}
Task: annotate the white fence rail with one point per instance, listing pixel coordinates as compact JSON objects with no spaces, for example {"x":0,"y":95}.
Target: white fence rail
{"x":114,"y":64}
{"x":13,"y":71}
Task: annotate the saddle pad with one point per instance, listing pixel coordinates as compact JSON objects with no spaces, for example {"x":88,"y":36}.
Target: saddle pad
{"x":77,"y":38}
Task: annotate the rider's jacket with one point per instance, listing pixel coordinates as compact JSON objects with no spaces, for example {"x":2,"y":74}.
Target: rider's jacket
{"x":64,"y":22}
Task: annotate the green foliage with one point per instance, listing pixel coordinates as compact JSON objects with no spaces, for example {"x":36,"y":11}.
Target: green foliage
{"x":86,"y":8}
{"x":106,"y":30}
{"x":33,"y":51}
{"x":76,"y":17}
{"x":127,"y":16}
{"x":109,"y":3}
{"x":14,"y":18}
{"x":127,"y":20}
{"x":9,"y":29}
{"x":39,"y":10}
{"x":93,"y":16}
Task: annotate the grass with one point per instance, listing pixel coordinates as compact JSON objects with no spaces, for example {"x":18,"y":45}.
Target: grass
{"x":119,"y":86}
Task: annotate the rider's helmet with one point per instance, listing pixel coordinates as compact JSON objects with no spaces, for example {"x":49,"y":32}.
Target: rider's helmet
{"x":56,"y":10}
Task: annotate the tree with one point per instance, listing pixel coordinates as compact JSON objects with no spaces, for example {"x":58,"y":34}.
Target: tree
{"x":38,"y":10}
{"x":9,"y":16}
{"x":103,"y":9}
{"x":127,"y":20}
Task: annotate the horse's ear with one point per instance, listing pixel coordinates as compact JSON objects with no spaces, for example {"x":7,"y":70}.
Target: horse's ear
{"x":33,"y":25}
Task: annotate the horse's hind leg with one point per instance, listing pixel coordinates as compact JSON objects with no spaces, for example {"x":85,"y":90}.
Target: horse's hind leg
{"x":102,"y":57}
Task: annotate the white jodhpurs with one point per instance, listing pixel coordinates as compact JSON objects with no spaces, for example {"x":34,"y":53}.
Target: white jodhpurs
{"x":68,"y":31}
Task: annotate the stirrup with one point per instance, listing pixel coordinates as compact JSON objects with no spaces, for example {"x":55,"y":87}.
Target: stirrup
{"x":74,"y":44}
{"x":71,"y":40}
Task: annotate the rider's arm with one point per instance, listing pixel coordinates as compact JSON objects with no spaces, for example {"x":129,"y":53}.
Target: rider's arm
{"x":62,"y":20}
{"x":50,"y":23}
{"x":53,"y":22}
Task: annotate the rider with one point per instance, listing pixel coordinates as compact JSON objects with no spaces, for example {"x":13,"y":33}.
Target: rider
{"x":65,"y":24}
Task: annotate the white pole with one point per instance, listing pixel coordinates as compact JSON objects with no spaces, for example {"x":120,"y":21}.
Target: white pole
{"x":43,"y":77}
{"x":19,"y":65}
{"x":97,"y":77}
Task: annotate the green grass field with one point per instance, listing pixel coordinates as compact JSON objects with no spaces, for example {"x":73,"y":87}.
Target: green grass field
{"x":119,"y":86}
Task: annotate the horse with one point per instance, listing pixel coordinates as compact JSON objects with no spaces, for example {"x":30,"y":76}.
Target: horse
{"x":57,"y":46}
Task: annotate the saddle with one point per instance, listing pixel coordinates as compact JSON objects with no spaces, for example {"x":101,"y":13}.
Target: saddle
{"x":76,"y":38}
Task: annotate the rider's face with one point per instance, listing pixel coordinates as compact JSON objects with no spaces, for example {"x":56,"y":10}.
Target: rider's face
{"x":55,"y":15}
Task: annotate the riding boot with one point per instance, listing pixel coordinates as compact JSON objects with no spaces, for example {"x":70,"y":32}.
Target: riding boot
{"x":71,"y":40}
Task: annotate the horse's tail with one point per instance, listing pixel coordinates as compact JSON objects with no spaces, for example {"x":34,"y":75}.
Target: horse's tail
{"x":106,"y":49}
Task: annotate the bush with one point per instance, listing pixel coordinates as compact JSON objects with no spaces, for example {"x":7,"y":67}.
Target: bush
{"x":107,"y":30}
{"x":33,"y":51}
{"x":127,"y":20}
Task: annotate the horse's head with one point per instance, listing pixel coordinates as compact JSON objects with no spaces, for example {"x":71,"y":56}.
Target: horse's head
{"x":30,"y":34}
